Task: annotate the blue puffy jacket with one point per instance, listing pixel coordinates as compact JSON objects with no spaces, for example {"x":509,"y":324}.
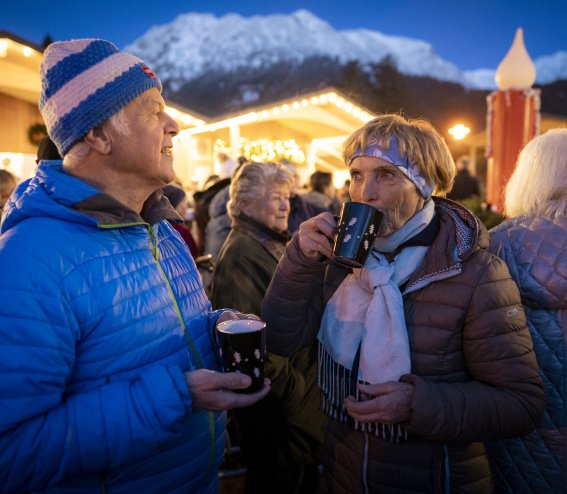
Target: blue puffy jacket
{"x":101,"y":313}
{"x":534,"y":249}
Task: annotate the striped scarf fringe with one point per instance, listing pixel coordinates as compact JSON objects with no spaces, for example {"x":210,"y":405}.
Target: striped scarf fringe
{"x":336,"y":384}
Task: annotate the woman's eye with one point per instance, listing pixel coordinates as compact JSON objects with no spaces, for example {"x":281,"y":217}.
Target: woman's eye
{"x":386,"y":175}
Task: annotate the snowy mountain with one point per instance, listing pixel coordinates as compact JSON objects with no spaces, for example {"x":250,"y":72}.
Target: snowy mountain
{"x":194,"y":44}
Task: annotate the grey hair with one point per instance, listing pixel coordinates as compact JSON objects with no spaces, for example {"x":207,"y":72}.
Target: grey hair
{"x":538,"y":185}
{"x":253,"y":182}
{"x":80,"y":150}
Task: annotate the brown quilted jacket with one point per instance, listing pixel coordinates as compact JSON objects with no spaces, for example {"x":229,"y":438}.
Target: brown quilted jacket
{"x":474,"y":372}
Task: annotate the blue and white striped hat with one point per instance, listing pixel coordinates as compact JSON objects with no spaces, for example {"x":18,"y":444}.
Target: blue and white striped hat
{"x":84,"y":83}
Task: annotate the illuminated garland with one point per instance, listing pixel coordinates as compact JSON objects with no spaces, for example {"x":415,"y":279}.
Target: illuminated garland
{"x":264,"y":150}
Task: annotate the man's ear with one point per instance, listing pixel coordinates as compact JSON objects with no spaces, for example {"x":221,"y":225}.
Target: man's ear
{"x":99,"y":139}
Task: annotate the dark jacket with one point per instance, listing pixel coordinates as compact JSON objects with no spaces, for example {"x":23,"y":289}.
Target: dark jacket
{"x":286,"y":428}
{"x":534,"y":249}
{"x":203,"y":199}
{"x":473,"y":368}
{"x":218,"y":227}
{"x":322,"y":202}
{"x":300,"y":211}
{"x":465,"y":186}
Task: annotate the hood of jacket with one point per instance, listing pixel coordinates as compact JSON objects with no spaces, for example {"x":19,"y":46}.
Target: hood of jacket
{"x":52,"y":192}
{"x":470,"y":232}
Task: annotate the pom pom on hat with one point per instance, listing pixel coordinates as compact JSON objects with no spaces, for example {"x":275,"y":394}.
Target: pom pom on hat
{"x":84,"y":83}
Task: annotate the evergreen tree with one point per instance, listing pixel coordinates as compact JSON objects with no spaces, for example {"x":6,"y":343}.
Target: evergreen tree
{"x":392,"y":92}
{"x":355,"y":83}
{"x":47,"y":40}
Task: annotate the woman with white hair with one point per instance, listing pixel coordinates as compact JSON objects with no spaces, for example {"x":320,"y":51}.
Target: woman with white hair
{"x":533,"y":244}
{"x":281,"y":436}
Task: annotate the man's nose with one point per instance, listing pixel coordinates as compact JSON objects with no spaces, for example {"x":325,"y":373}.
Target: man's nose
{"x":171,"y":125}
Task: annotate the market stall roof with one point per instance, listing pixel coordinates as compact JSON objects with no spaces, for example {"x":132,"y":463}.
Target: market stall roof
{"x":320,"y":120}
{"x":19,"y":66}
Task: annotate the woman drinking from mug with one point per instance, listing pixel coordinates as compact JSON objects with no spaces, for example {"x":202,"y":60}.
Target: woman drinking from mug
{"x":282,"y":435}
{"x":424,"y":352}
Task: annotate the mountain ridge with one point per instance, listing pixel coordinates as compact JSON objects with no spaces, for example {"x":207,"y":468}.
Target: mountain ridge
{"x":195,"y":43}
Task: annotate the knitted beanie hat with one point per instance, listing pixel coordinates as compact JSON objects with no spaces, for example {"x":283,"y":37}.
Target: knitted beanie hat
{"x":84,"y":83}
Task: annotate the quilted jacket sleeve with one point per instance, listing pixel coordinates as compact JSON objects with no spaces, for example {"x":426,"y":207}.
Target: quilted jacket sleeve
{"x":505,"y":397}
{"x":293,"y":305}
{"x":46,"y":435}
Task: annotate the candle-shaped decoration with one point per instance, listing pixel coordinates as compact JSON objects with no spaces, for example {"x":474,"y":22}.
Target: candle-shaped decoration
{"x":516,"y":70}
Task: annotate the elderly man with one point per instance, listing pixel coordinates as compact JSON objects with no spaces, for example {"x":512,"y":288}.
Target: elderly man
{"x":108,"y":377}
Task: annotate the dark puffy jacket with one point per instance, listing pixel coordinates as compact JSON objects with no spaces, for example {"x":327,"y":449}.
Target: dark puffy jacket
{"x":473,"y":368}
{"x":101,"y":313}
{"x":218,"y":227}
{"x":203,"y":199}
{"x":534,"y":249}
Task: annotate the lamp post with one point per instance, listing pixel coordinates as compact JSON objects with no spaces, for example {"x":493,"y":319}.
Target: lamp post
{"x":512,"y":117}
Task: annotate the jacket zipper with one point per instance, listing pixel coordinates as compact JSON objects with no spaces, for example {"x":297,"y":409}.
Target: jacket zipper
{"x":155,"y":251}
{"x":155,"y":254}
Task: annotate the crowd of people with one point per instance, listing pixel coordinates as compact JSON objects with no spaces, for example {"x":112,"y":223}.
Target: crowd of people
{"x":439,"y":366}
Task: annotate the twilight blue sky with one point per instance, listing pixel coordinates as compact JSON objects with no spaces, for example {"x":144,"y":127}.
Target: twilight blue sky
{"x":472,"y":34}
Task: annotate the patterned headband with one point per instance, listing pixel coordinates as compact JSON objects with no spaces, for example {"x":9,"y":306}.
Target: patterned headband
{"x":392,"y":155}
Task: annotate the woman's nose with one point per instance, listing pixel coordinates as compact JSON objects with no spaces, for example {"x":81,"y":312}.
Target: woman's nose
{"x":369,"y":191}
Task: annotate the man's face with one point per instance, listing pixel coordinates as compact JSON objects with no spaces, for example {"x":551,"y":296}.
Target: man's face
{"x":146,"y":152}
{"x":382,"y":185}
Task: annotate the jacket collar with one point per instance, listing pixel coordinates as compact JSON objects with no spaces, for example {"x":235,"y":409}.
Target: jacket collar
{"x":106,"y":210}
{"x":273,"y":241}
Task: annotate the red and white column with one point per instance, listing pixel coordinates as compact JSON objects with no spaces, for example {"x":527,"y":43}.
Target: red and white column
{"x":513,"y":117}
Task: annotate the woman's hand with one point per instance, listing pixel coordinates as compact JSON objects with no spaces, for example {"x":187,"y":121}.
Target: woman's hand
{"x":213,"y":390}
{"x":316,"y":236}
{"x":391,"y":403}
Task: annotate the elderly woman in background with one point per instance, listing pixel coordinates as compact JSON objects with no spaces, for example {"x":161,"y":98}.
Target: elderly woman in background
{"x":282,"y":435}
{"x":533,"y":244}
{"x":424,"y":352}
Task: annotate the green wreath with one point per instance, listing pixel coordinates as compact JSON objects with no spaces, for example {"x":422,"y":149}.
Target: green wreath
{"x":36,"y":133}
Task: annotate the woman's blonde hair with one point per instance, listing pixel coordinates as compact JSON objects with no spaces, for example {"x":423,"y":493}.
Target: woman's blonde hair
{"x":253,"y":182}
{"x":417,"y":139}
{"x":538,"y":185}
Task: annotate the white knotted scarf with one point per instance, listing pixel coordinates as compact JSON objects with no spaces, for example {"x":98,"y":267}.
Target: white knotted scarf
{"x":367,"y":309}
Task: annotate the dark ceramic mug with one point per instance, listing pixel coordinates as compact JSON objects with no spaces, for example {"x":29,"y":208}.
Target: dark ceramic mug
{"x":357,"y":228}
{"x":242,"y":344}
